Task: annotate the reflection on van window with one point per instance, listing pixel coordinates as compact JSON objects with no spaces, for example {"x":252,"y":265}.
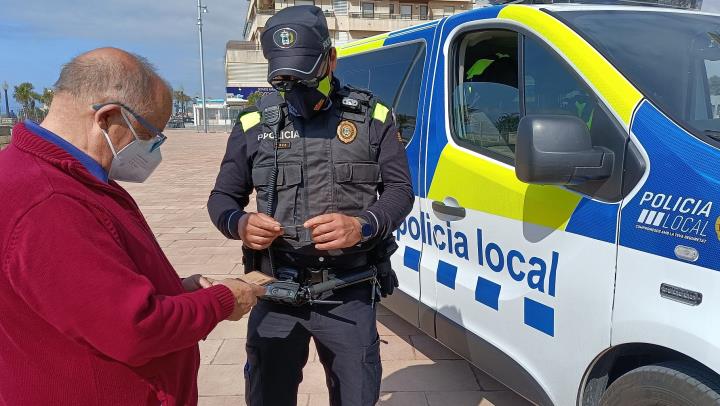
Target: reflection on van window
{"x":394,"y":75}
{"x":550,"y":88}
{"x":486,"y":98}
{"x":673,"y":59}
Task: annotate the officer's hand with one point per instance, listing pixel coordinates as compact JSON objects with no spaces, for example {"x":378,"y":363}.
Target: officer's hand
{"x":258,"y":231}
{"x":334,"y":231}
{"x":246,"y":295}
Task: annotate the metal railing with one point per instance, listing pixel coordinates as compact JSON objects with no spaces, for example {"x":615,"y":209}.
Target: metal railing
{"x":378,"y":16}
{"x":328,"y":13}
{"x":249,"y":46}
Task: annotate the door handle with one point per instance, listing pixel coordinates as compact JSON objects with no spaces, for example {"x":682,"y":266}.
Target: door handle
{"x":445,"y":212}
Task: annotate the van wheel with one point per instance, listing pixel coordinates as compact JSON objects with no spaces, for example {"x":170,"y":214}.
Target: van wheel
{"x":665,"y":384}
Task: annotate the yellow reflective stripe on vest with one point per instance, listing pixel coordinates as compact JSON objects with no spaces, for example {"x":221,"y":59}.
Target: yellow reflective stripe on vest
{"x":249,"y":120}
{"x":380,"y":113}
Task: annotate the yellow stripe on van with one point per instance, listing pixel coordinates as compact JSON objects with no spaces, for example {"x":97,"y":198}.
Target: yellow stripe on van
{"x":617,"y":91}
{"x":364,"y":45}
{"x":494,"y":189}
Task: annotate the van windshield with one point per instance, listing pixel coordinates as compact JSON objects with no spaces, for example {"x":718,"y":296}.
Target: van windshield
{"x":672,"y":58}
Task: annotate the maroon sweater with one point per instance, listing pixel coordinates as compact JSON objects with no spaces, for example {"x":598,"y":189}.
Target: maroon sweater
{"x":91,"y":311}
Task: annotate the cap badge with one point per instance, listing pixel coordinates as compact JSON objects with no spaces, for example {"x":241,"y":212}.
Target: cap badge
{"x":346,"y":131}
{"x":285,"y":37}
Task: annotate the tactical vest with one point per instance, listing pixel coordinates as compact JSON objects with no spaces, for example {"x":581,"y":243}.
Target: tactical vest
{"x":325,"y":165}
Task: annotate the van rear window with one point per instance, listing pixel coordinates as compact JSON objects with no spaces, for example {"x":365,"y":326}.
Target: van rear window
{"x":394,"y":75}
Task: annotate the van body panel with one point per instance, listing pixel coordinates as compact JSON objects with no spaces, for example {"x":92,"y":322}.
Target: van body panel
{"x":676,"y":206}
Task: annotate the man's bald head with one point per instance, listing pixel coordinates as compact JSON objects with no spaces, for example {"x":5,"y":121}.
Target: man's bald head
{"x":111,"y":74}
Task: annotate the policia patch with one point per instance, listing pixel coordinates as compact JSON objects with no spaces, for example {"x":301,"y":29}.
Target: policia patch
{"x":346,"y":131}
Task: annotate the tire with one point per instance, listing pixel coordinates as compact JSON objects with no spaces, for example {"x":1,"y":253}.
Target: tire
{"x":665,"y":384}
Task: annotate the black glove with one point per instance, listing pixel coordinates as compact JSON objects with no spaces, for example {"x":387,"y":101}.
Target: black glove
{"x":387,"y":278}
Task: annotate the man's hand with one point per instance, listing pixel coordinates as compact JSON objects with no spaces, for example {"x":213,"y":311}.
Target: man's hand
{"x":258,"y":231}
{"x":196,"y":282}
{"x":334,"y":231}
{"x":246,"y":295}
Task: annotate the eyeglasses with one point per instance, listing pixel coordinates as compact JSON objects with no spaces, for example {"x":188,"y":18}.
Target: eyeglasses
{"x":286,"y":85}
{"x":159,"y":137}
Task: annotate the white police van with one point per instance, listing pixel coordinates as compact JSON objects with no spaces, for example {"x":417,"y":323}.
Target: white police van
{"x":566,"y":232}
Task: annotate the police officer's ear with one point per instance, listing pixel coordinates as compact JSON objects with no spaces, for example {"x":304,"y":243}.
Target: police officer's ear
{"x":332,"y":62}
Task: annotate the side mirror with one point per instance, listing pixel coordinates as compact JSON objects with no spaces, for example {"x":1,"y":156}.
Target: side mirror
{"x":557,"y":150}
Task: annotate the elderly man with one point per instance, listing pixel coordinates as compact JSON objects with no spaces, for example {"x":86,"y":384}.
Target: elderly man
{"x":92,"y":311}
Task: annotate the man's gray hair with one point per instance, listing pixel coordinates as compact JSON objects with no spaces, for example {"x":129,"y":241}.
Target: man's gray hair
{"x":99,"y":79}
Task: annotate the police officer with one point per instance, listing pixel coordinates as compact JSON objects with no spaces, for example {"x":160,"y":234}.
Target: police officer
{"x":318,"y":154}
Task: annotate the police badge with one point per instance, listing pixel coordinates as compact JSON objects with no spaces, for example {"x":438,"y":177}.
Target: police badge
{"x":346,"y":131}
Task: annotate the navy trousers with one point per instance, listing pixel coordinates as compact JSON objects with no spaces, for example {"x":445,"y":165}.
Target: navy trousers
{"x":347,"y":342}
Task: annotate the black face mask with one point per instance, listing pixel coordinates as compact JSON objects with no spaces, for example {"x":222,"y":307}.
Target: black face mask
{"x":308,"y":101}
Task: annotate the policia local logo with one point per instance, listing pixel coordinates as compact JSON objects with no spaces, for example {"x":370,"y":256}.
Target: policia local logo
{"x":682,"y":217}
{"x":285,"y":37}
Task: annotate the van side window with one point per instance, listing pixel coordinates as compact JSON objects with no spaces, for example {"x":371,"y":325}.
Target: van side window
{"x":485,"y":94}
{"x":394,"y":75}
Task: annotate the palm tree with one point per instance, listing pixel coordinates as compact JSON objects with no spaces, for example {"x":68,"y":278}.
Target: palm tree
{"x":181,"y":101}
{"x":24,"y":95}
{"x":46,"y":98}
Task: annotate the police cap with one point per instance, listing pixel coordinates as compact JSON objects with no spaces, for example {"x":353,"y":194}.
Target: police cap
{"x":295,"y":41}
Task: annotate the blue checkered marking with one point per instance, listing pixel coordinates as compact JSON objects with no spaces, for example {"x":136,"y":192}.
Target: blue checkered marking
{"x":411,"y":259}
{"x":540,"y":317}
{"x":446,"y":274}
{"x":488,"y":293}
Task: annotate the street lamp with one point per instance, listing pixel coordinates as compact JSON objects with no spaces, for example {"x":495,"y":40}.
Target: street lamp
{"x":202,"y":9}
{"x":7,"y":105}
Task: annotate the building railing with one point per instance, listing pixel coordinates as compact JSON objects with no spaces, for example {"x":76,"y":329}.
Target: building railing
{"x":247,"y":46}
{"x":378,"y":16}
{"x":328,"y":13}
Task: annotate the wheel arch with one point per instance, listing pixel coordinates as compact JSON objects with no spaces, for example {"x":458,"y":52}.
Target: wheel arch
{"x":616,"y":361}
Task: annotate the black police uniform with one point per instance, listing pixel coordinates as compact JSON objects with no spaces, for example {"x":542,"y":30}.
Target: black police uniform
{"x":337,"y":161}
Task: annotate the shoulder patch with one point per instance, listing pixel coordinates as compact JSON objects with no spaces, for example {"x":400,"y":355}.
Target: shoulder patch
{"x":380,"y":112}
{"x":249,"y":120}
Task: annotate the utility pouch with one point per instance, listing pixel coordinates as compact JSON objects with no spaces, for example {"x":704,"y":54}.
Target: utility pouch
{"x":250,"y":260}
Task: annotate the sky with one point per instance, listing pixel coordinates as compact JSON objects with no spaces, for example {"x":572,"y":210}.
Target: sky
{"x":38,"y":36}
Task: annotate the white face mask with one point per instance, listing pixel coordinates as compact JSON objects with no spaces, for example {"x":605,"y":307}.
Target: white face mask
{"x":137,"y":161}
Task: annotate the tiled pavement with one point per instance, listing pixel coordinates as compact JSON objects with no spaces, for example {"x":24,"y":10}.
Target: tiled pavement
{"x":417,"y":371}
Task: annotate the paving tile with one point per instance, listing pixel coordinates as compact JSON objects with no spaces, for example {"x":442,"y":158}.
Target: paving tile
{"x":194,"y":243}
{"x":229,"y":329}
{"x":208,"y":349}
{"x":394,"y":325}
{"x":313,"y":379}
{"x":217,"y":250}
{"x":190,"y":259}
{"x":487,"y":382}
{"x":394,"y":348}
{"x":428,"y":348}
{"x":232,"y":351}
{"x":418,"y":375}
{"x":404,"y":399}
{"x":476,"y":398}
{"x":221,"y":401}
{"x":170,"y":230}
{"x":221,"y":380}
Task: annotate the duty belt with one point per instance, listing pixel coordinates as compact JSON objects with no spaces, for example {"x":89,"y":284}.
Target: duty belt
{"x":337,"y":264}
